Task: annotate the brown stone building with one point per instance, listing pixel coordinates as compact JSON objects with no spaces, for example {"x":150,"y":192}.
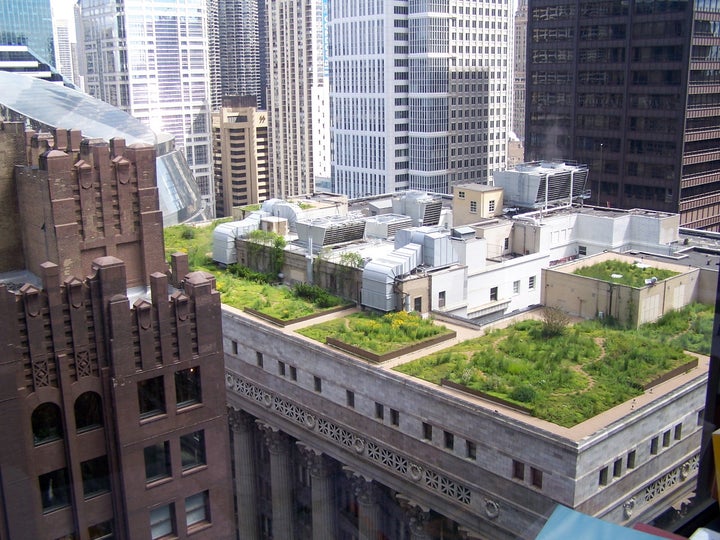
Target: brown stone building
{"x":111,"y":394}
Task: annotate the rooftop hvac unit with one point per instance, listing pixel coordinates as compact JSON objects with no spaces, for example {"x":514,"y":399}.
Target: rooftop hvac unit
{"x":385,"y":226}
{"x":537,"y":185}
{"x":330,"y":230}
{"x":418,"y":205}
{"x":379,"y":276}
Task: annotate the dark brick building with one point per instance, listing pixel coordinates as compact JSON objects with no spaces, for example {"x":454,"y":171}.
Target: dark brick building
{"x":631,"y":88}
{"x":112,"y":400}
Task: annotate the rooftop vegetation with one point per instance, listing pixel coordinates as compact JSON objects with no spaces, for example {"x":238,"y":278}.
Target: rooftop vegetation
{"x":239,"y":286}
{"x":623,"y":273}
{"x":573,"y":373}
{"x":377,"y":333}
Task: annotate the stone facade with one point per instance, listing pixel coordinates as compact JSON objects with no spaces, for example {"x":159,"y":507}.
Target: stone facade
{"x":462,"y":467}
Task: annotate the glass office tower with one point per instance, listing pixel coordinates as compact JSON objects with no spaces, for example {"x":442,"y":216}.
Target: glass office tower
{"x":150,"y":58}
{"x":29,"y":23}
{"x":419,"y":93}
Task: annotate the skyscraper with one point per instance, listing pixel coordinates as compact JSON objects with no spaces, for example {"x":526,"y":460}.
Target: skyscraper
{"x":28,"y":23}
{"x":63,"y":48}
{"x":631,"y":89}
{"x":519,"y":67}
{"x":419,"y":94}
{"x":150,"y":58}
{"x":240,"y":154}
{"x":297,"y":82}
{"x":243,"y":49}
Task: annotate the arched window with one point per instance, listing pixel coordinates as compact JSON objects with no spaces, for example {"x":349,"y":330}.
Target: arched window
{"x":88,"y":411}
{"x":46,"y":423}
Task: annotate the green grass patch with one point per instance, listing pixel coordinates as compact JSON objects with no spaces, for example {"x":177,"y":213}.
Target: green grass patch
{"x":380,"y":334}
{"x":576,"y":375}
{"x":629,"y":274}
{"x":241,"y":287}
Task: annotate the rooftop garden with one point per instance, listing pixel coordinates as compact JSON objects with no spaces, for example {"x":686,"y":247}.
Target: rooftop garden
{"x":239,"y":286}
{"x":379,"y":334}
{"x":567,"y":374}
{"x":623,"y":273}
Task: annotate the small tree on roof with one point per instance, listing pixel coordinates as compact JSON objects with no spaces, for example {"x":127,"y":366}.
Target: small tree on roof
{"x":554,"y":321}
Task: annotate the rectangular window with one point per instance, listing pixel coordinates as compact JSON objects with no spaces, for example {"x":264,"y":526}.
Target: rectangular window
{"x":678,"y":432}
{"x":350,"y":398}
{"x":516,"y":287}
{"x":470,"y":450}
{"x":259,"y":359}
{"x":187,"y":387}
{"x":196,"y":509}
{"x":654,"y":445}
{"x":582,"y":250}
{"x":157,"y":461}
{"x":427,"y":431}
{"x":162,"y":522}
{"x":603,"y":478}
{"x":461,"y":194}
{"x":192,"y":449}
{"x":531,"y":282}
{"x":151,"y":397}
{"x":617,"y":468}
{"x":54,"y":490}
{"x":441,"y":299}
{"x":473,"y":207}
{"x":491,"y":206}
{"x":631,"y":459}
{"x":394,"y":417}
{"x":700,"y":417}
{"x":493,"y":294}
{"x":666,"y":438}
{"x":95,"y":476}
{"x":506,"y":243}
{"x":293,"y":373}
{"x":536,"y":477}
{"x":379,"y":411}
{"x":101,"y":531}
{"x":449,"y":440}
{"x":518,"y":470}
{"x":418,"y":304}
{"x":317,"y":384}
{"x":281,"y":368}
{"x":234,"y":347}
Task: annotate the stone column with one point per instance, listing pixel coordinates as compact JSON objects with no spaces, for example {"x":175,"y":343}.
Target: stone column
{"x":368,"y":512}
{"x":323,"y":493}
{"x":280,"y":482}
{"x":244,"y":462}
{"x":417,"y":516}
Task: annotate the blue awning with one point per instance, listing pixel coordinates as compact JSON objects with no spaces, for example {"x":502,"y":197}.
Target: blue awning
{"x":565,"y":523}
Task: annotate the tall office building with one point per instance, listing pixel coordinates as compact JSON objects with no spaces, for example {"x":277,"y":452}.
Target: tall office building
{"x":519,"y":67}
{"x":631,"y":89}
{"x":243,"y":49}
{"x":64,"y":50}
{"x":240,"y":154}
{"x":28,"y":23}
{"x":150,"y":58}
{"x":213,"y":29}
{"x":297,"y":79}
{"x":419,"y":95}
